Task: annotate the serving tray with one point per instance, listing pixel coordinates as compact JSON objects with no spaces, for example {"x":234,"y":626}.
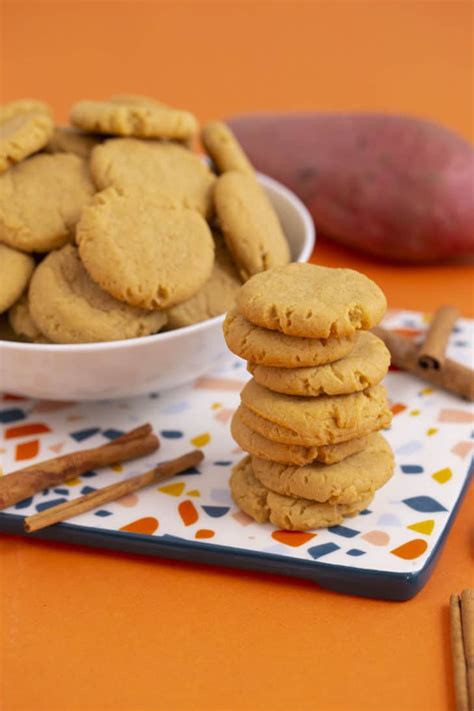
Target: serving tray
{"x":388,"y":551}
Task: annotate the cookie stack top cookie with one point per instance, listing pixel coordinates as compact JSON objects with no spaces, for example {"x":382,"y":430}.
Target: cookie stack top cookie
{"x":309,"y":417}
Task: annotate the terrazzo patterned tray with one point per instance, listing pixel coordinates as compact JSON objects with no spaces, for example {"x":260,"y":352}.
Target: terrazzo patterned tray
{"x":386,"y":552}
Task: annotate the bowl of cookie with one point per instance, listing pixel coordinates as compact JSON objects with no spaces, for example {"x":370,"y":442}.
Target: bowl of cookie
{"x":122,"y":248}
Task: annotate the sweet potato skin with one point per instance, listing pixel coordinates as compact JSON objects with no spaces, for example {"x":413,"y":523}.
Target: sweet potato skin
{"x":393,"y":186}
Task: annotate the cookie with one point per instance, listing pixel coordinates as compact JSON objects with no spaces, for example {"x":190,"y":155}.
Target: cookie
{"x":16,"y":269}
{"x":366,"y":365}
{"x":23,"y":326}
{"x":143,"y":120}
{"x":174,"y":173}
{"x":272,"y":348}
{"x":215,"y":297}
{"x":66,"y":139}
{"x":25,"y":127}
{"x":285,"y":512}
{"x":254,"y":443}
{"x":143,"y":253}
{"x":344,"y":482}
{"x":41,"y":200}
{"x":224,"y":149}
{"x":312,"y":301}
{"x":313,"y":421}
{"x":249,"y":223}
{"x":69,"y":307}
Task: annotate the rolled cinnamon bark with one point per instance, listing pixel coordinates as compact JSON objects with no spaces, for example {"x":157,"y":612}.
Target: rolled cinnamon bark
{"x":452,"y":376}
{"x":26,"y":482}
{"x":432,"y":353}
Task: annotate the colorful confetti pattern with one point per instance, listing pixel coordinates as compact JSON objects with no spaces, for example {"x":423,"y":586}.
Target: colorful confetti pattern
{"x":432,"y":436}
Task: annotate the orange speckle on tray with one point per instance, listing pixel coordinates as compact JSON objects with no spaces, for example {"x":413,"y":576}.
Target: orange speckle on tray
{"x":412,"y":549}
{"x":188,"y":513}
{"x":292,"y":538}
{"x":397,"y":407}
{"x":27,"y":450}
{"x":147,"y":525}
{"x":204,"y":533}
{"x":24,"y":430}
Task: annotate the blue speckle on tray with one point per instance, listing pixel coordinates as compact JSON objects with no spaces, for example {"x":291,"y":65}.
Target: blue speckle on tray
{"x":102,"y":513}
{"x":13,"y":414}
{"x":24,"y":504}
{"x":411,"y":469}
{"x":112,"y":433}
{"x":216,"y":511}
{"x":356,"y":552}
{"x":49,"y":504}
{"x":81,"y":435}
{"x":344,"y":531}
{"x":171,"y":434}
{"x":322,"y":550}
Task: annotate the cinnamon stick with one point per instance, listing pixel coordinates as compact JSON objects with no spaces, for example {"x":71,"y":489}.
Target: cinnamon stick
{"x":25,"y":482}
{"x":432,"y":353}
{"x":452,"y":376}
{"x":457,"y":653}
{"x":467,"y":618}
{"x":163,"y":471}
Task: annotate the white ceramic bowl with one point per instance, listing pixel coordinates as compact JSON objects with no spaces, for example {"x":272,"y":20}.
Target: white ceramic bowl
{"x":95,"y":371}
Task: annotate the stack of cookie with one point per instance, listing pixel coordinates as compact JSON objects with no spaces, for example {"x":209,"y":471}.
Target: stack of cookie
{"x":113,"y":228}
{"x":310,"y":416}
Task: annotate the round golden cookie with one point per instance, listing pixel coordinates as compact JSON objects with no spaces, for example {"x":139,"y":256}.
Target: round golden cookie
{"x":143,"y":253}
{"x":224,"y":149}
{"x":214,"y":298}
{"x":344,"y":482}
{"x":143,"y":120}
{"x":254,"y":443}
{"x":41,"y":200}
{"x":312,"y":301}
{"x":66,"y":139}
{"x":16,"y":269}
{"x":19,"y":318}
{"x":313,"y":421}
{"x":68,"y":307}
{"x":271,"y":348}
{"x":366,"y":365}
{"x":25,"y":127}
{"x":285,"y":512}
{"x":174,"y":173}
{"x":249,"y":223}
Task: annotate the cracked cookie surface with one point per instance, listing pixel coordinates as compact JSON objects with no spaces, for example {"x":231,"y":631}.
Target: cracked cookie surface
{"x":313,"y":421}
{"x":25,"y":127}
{"x":288,"y":513}
{"x":253,"y":442}
{"x":272,"y":348}
{"x":41,"y":200}
{"x":366,"y":365}
{"x":123,"y":116}
{"x":142,"y":252}
{"x":68,"y":307}
{"x":249,"y":223}
{"x":16,"y":269}
{"x":312,"y":301}
{"x":174,"y":173}
{"x":343,"y":482}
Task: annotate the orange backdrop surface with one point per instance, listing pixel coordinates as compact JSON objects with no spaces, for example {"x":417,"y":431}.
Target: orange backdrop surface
{"x":84,"y":630}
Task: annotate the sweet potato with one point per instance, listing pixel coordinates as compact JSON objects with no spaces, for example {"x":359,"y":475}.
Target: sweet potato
{"x":393,"y":186}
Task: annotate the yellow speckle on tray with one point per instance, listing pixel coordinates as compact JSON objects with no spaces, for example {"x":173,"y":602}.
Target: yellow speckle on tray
{"x":201,"y":440}
{"x":443,"y":475}
{"x":173,"y":489}
{"x":74,"y":482}
{"x":432,"y":431}
{"x":216,"y":405}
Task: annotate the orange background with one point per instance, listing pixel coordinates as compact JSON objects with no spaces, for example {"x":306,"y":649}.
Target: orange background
{"x":85,"y":630}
